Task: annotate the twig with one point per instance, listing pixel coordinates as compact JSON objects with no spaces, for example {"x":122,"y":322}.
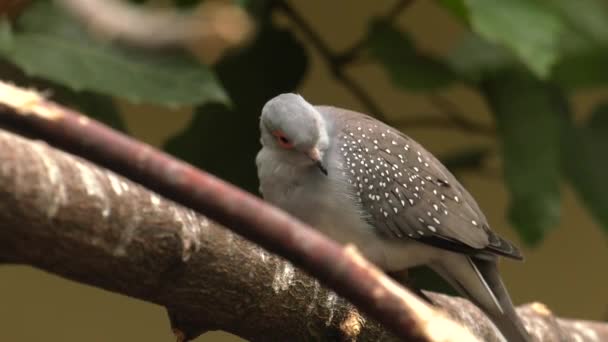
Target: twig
{"x":342,"y":269}
{"x":333,"y":61}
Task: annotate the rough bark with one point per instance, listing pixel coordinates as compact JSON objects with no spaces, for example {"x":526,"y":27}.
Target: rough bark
{"x":67,"y":216}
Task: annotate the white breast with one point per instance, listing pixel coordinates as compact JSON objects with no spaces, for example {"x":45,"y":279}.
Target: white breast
{"x":326,"y":204}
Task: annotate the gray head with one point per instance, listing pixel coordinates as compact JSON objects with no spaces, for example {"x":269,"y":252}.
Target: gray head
{"x":293,"y":126}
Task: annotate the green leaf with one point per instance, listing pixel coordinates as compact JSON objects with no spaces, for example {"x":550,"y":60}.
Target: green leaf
{"x":587,"y":17}
{"x":582,"y":47}
{"x":96,"y":106}
{"x":584,"y":44}
{"x":475,"y":57}
{"x":529,"y":28}
{"x":529,"y":116}
{"x":406,"y":67}
{"x":49,"y":44}
{"x":225,"y":141}
{"x":582,"y":70}
{"x":456,"y":7}
{"x":584,"y":164}
{"x":6,"y":36}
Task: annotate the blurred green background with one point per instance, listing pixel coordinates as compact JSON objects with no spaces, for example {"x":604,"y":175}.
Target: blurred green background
{"x":512,"y":95}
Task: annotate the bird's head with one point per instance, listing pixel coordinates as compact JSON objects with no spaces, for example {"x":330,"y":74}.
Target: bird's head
{"x":294,"y":126}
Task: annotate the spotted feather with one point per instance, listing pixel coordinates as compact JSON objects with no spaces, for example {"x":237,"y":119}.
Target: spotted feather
{"x":405,"y":192}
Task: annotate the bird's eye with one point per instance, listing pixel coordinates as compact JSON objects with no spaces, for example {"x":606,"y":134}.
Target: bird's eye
{"x":282,"y":139}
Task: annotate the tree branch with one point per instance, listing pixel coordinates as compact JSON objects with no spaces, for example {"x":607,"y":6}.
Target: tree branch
{"x":340,"y":268}
{"x":67,"y":216}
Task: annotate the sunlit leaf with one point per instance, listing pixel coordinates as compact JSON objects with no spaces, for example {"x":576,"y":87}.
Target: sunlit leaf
{"x":582,"y":47}
{"x":587,"y":17}
{"x":531,"y":29}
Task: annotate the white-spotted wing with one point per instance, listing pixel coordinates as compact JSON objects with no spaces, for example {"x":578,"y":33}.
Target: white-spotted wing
{"x":407,"y":193}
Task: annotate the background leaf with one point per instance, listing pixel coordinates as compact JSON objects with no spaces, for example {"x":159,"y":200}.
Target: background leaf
{"x":47,"y":43}
{"x":529,"y":28}
{"x":94,"y":105}
{"x":587,"y":17}
{"x":584,"y":44}
{"x":528,"y":119}
{"x":406,"y":67}
{"x":475,"y":57}
{"x":584,"y":162}
{"x":583,"y":69}
{"x":97,"y":106}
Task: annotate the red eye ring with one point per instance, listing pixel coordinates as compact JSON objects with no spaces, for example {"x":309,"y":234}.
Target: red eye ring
{"x":283,"y":141}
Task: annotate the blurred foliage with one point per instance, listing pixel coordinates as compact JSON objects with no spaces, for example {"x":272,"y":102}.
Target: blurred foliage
{"x":527,"y":116}
{"x":529,"y":28}
{"x":526,"y":58}
{"x":583,"y":160}
{"x":47,"y":43}
{"x":406,"y":67}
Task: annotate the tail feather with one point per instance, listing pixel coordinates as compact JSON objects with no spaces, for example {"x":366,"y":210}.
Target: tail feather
{"x":479,"y":281}
{"x":508,"y":322}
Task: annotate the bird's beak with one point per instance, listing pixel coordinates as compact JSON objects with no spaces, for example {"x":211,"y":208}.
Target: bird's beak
{"x":315,"y":156}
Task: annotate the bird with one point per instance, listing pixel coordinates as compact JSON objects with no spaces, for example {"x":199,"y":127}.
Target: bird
{"x":361,"y":181}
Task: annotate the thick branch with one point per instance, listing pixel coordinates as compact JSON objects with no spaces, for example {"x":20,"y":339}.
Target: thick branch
{"x":342,"y":269}
{"x":67,"y":216}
